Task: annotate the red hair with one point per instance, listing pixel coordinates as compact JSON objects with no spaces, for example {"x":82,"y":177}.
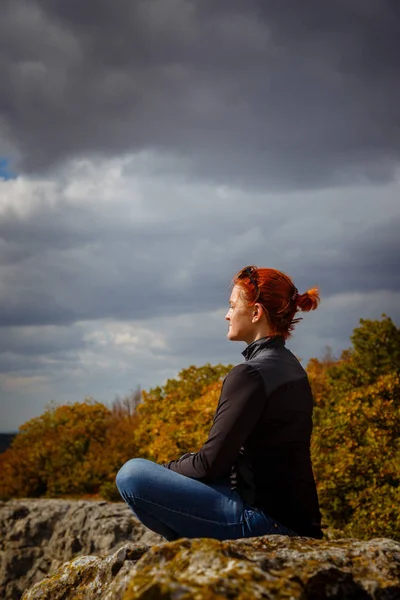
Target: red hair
{"x":276,"y":292}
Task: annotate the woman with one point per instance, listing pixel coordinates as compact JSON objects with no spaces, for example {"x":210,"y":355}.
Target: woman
{"x":253,"y":476}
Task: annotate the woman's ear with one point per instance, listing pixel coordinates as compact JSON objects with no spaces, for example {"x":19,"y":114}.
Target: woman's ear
{"x":257,"y":312}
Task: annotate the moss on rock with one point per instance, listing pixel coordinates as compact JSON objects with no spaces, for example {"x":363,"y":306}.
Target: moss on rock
{"x":269,"y":567}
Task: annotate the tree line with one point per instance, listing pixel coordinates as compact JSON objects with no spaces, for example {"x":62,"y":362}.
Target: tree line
{"x":76,"y":449}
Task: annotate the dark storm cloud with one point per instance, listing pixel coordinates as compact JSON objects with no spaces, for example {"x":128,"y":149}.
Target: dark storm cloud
{"x":283,"y":94}
{"x":366,"y":262}
{"x":86,"y":259}
{"x":46,"y":340}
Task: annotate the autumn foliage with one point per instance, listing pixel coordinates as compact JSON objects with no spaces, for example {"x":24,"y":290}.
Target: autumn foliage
{"x":70,"y":450}
{"x":176,"y":418}
{"x":73,"y":450}
{"x":356,"y":441}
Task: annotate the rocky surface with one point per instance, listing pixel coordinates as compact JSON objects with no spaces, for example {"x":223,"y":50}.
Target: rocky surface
{"x":269,"y":567}
{"x":37,"y":536}
{"x":80,"y":550}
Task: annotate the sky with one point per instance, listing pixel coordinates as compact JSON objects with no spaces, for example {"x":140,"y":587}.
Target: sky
{"x":149,"y":149}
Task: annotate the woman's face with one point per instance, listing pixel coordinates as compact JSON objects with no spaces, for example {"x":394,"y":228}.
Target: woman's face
{"x":240,"y":317}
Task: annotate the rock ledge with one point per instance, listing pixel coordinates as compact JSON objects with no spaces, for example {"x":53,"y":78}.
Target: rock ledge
{"x":269,"y":567}
{"x":37,"y":536}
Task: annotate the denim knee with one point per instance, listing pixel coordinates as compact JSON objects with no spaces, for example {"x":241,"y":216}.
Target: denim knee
{"x":130,"y":474}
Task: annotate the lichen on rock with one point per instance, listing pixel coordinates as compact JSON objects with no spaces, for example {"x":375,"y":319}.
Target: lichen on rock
{"x":269,"y":567}
{"x":75,"y":550}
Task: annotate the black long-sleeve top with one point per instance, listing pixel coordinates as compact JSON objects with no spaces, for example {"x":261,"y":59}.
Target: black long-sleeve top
{"x":260,"y":437}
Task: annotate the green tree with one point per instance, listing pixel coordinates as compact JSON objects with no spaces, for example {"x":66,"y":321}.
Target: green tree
{"x":356,"y":458}
{"x":355,"y":446}
{"x":375,"y":352}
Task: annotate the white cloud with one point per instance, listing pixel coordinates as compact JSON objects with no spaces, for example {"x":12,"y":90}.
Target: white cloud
{"x":116,"y":273}
{"x":116,"y":356}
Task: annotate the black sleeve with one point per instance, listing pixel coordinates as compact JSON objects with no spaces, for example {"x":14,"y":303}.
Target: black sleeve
{"x":240,"y":405}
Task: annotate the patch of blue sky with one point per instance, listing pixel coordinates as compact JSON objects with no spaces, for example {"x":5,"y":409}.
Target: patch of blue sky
{"x":5,"y":170}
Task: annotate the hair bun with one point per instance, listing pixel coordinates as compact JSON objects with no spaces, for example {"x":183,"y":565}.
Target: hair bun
{"x":309,"y":300}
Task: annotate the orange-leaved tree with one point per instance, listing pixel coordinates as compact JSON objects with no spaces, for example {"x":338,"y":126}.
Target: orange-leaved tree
{"x":176,"y":418}
{"x":55,"y":454}
{"x":317,"y":371}
{"x":119,"y":445}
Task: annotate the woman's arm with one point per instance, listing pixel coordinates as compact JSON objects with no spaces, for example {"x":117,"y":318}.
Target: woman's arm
{"x":241,"y":403}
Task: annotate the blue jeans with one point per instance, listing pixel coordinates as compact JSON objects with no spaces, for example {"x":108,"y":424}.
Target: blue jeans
{"x":176,"y":506}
